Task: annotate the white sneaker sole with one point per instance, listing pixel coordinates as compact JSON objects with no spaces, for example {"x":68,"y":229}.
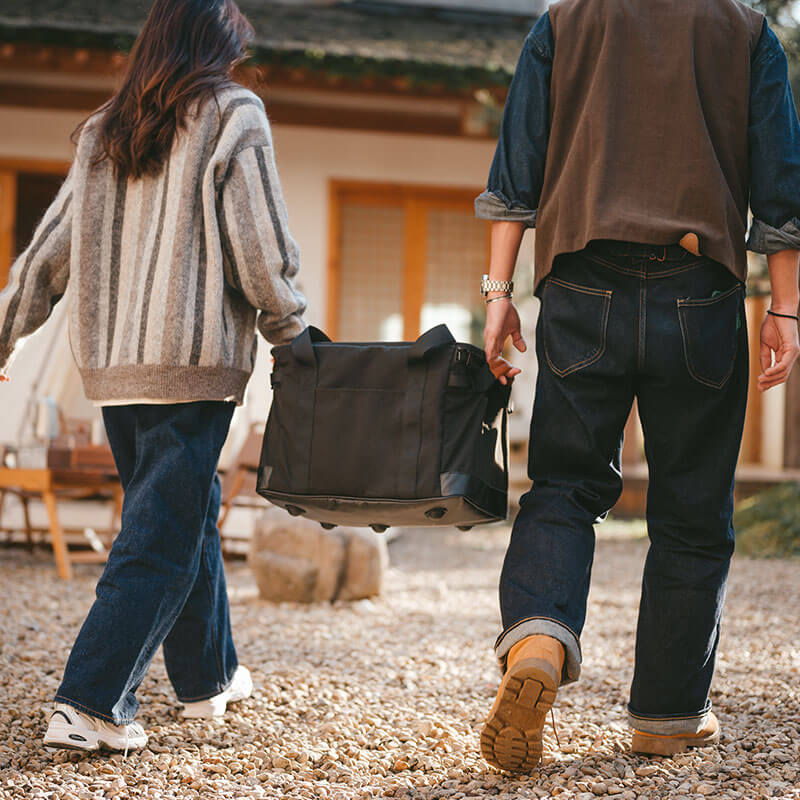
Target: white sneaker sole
{"x":216,"y":706}
{"x":63,"y":736}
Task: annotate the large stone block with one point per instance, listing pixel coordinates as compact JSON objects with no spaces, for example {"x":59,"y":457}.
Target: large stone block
{"x":294,"y":559}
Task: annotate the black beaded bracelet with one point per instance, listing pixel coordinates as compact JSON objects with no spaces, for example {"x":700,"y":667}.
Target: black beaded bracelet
{"x":784,"y":316}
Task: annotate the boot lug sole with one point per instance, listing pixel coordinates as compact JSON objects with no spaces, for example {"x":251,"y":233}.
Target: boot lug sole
{"x":511,"y":739}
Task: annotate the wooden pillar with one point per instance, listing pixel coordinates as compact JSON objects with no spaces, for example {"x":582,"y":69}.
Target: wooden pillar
{"x":791,"y":439}
{"x":752,"y":438}
{"x":416,"y":248}
{"x":334,"y":287}
{"x":8,"y":221}
{"x":632,"y":445}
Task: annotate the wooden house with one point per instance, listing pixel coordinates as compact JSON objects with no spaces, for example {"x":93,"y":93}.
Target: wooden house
{"x":384,"y":117}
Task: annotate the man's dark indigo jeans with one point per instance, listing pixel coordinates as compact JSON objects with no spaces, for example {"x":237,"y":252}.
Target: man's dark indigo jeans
{"x":619,"y":322}
{"x":164,"y":581}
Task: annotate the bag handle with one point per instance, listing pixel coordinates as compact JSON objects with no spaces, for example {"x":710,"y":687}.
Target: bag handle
{"x":430,"y":340}
{"x":303,"y":345}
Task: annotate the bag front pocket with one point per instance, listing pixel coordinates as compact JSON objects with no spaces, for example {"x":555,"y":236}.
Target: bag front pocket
{"x":710,"y":333}
{"x":574,"y":323}
{"x":353,"y":433}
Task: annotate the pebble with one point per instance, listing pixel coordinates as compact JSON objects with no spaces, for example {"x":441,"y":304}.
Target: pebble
{"x":387,"y":698}
{"x":645,"y":772}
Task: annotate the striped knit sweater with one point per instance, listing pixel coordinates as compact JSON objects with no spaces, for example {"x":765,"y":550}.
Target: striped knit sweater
{"x":168,"y":275}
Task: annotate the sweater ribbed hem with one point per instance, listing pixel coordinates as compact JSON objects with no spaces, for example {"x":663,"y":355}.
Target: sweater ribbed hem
{"x":165,"y":383}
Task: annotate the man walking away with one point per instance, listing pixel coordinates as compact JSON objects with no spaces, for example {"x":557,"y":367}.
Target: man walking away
{"x":634,"y":139}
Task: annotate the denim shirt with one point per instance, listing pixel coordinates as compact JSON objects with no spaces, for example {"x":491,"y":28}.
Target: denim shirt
{"x":517,"y":172}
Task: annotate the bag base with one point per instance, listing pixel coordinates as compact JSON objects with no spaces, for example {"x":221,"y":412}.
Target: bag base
{"x":455,"y":510}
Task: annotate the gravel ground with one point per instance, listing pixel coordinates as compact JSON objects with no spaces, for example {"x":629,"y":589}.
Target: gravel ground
{"x":386,"y":698}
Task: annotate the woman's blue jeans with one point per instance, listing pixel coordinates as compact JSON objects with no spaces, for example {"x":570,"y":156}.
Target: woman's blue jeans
{"x":619,"y":322}
{"x":164,"y":582}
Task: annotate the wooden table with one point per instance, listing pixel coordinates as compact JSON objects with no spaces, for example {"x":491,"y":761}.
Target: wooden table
{"x":53,"y":484}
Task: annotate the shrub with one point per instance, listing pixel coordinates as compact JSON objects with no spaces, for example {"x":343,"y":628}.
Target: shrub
{"x":768,"y":524}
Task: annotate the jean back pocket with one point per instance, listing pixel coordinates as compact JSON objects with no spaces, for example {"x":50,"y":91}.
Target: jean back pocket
{"x":574,"y":324}
{"x":710,"y":333}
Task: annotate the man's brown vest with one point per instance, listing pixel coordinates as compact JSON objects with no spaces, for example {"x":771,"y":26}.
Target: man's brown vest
{"x":648,"y":126}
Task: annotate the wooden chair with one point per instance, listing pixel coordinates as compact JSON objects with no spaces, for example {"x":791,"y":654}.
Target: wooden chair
{"x":23,"y":498}
{"x":74,"y":470}
{"x":240,"y":478}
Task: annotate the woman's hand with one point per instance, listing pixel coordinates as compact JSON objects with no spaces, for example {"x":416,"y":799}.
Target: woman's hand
{"x":502,"y":321}
{"x":779,"y":336}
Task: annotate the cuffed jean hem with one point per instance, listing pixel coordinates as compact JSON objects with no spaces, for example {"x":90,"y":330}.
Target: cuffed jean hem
{"x":533,"y":626}
{"x":90,"y":712}
{"x":670,"y":725}
{"x":221,"y":687}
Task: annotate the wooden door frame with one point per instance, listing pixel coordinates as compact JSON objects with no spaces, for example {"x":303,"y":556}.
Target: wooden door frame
{"x":10,"y":168}
{"x":415,"y":199}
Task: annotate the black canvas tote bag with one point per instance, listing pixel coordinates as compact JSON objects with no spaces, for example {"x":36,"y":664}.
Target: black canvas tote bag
{"x":385,"y":434}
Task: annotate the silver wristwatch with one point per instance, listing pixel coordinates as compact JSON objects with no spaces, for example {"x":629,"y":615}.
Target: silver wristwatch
{"x":495,"y":286}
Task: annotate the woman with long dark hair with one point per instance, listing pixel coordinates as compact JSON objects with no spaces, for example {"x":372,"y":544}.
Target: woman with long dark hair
{"x":172,"y":231}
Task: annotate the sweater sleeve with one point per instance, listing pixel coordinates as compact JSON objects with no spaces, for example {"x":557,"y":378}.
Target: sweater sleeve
{"x":261,"y":257}
{"x":39,"y":276}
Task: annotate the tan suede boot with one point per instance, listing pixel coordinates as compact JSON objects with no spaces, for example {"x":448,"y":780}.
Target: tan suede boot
{"x":668,"y":745}
{"x":512,"y":737}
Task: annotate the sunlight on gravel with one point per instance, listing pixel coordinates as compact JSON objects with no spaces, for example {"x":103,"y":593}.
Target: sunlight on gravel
{"x":385,"y":698}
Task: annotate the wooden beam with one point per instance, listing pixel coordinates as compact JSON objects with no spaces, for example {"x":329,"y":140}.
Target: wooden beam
{"x":375,"y":192}
{"x":60,"y":58}
{"x":791,"y":438}
{"x":48,"y":166}
{"x":345,"y":118}
{"x":21,"y":56}
{"x":282,"y":113}
{"x":62,"y":99}
{"x":8,"y":222}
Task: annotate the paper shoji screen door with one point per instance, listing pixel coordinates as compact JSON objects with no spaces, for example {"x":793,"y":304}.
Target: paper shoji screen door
{"x":402,"y":259}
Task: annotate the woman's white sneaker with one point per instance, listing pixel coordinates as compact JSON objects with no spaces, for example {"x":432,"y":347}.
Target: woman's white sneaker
{"x":73,"y":730}
{"x":241,"y":687}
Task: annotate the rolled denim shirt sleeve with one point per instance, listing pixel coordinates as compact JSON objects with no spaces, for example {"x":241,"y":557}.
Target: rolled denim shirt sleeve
{"x":767,"y":239}
{"x":774,"y":142}
{"x":515,"y":178}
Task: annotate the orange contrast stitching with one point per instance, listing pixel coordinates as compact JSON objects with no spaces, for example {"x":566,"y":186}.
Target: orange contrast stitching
{"x":689,"y":303}
{"x":598,"y":354}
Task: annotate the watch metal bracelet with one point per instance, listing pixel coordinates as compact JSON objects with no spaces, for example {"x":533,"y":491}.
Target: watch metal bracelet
{"x":489,"y":285}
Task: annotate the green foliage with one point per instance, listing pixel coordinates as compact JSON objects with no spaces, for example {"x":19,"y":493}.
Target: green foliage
{"x":768,"y":524}
{"x":781,"y":17}
{"x":775,"y":10}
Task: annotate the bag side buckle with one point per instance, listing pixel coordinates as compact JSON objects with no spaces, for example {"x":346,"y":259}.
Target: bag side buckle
{"x":463,"y":356}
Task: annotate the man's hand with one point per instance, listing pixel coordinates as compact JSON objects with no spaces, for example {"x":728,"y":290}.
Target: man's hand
{"x":779,"y":336}
{"x":502,"y":321}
